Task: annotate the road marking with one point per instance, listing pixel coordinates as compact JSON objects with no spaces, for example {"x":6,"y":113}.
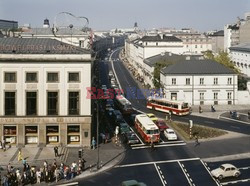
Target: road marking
{"x":233,"y":182}
{"x":68,"y":184}
{"x":167,"y":145}
{"x":163,"y":183}
{"x":170,"y":142}
{"x":244,"y":168}
{"x":206,"y":167}
{"x":235,"y":120}
{"x":158,"y":162}
{"x":181,"y":166}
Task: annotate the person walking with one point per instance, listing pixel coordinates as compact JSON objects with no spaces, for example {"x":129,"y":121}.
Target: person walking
{"x":38,"y":176}
{"x":56,"y":151}
{"x":196,"y":140}
{"x":19,"y":157}
{"x":93,"y":143}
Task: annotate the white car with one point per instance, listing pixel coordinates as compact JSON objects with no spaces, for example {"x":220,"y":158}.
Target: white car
{"x":170,"y":134}
{"x":225,"y":170}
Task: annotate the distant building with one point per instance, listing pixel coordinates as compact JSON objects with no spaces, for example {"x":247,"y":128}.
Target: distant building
{"x":240,"y":55}
{"x":217,"y":41}
{"x":43,"y":92}
{"x":200,"y":82}
{"x":7,"y":25}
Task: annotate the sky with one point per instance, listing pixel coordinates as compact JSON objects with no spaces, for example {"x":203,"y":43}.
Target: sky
{"x":202,"y":15}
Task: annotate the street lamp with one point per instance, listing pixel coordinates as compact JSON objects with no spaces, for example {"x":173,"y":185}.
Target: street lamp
{"x":97,"y":136}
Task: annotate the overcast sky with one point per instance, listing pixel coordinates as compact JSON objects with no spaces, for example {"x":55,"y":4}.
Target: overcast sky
{"x":203,"y":15}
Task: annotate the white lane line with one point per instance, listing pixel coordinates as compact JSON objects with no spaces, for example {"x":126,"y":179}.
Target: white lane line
{"x":158,"y":162}
{"x":137,"y":136}
{"x":112,"y":65}
{"x":234,"y":182}
{"x":167,"y":145}
{"x":170,"y":142}
{"x":159,"y":175}
{"x":68,"y":184}
{"x":184,"y":172}
{"x":206,"y":167}
{"x":244,"y":168}
{"x":234,"y":120}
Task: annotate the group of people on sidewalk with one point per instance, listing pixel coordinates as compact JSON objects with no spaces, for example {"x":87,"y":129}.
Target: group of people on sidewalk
{"x":47,"y":173}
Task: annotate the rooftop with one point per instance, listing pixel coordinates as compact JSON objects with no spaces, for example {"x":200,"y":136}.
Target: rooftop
{"x":196,"y":67}
{"x":158,"y":38}
{"x":37,"y":46}
{"x":245,"y":47}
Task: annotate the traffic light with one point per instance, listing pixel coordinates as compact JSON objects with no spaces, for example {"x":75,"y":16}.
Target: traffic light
{"x":80,"y":153}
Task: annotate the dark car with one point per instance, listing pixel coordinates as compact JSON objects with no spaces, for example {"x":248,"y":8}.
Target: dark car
{"x":161,"y":125}
{"x":131,"y":138}
{"x":124,"y":127}
{"x":234,"y":115}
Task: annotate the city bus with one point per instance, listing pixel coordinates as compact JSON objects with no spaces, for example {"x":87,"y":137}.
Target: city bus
{"x":123,"y":104}
{"x":172,"y":107}
{"x":147,"y":128}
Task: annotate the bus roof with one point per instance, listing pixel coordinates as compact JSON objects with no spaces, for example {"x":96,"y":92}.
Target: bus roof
{"x":165,"y":100}
{"x":122,"y":100}
{"x":146,"y":122}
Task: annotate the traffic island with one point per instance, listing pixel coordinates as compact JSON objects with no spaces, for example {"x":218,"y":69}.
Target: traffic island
{"x":198,"y":131}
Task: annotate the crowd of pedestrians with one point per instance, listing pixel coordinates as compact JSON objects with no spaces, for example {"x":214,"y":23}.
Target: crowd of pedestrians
{"x":46,"y":173}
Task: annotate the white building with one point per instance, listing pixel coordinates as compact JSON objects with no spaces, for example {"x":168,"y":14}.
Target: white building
{"x":240,"y":55}
{"x":43,"y":92}
{"x":200,"y":82}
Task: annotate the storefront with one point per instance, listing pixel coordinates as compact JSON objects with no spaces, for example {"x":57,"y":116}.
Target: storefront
{"x":31,"y":134}
{"x":73,"y":134}
{"x":52,"y":134}
{"x":10,"y":133}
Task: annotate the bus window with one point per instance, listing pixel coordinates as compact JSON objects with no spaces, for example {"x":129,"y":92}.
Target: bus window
{"x":185,"y":105}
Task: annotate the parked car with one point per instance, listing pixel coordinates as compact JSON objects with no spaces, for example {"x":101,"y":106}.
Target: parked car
{"x":170,"y":134}
{"x":117,"y":116}
{"x":234,"y":114}
{"x":124,"y":127}
{"x":161,"y":125}
{"x":132,"y":183}
{"x":226,"y":170}
{"x":152,"y":117}
{"x":131,"y":138}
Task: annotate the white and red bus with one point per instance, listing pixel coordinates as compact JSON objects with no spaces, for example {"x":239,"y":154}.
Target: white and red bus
{"x":123,"y":104}
{"x":147,"y":128}
{"x":164,"y":105}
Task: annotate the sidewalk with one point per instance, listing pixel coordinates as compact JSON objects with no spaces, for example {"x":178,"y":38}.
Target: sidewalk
{"x":220,"y":109}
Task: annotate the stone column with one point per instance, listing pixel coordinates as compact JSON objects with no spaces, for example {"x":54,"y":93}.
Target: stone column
{"x":86,"y":133}
{"x":42,"y":135}
{"x":20,"y":135}
{"x":63,"y":133}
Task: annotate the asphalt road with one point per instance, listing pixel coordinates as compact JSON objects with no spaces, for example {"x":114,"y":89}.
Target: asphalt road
{"x":170,"y":163}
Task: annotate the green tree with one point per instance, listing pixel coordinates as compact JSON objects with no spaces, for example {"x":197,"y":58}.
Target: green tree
{"x":208,"y":54}
{"x":156,"y":74}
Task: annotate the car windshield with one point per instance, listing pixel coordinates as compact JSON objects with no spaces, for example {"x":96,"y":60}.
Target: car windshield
{"x":171,"y":132}
{"x":222,"y":167}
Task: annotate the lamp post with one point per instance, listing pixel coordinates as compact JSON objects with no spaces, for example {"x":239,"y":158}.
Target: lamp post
{"x":97,"y":136}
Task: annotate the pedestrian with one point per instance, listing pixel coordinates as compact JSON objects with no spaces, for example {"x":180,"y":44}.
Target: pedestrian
{"x":57,"y":174}
{"x":4,"y":145}
{"x":200,"y":110}
{"x":56,"y":151}
{"x":197,"y":140}
{"x":93,"y":143}
{"x":19,"y":157}
{"x":38,"y":176}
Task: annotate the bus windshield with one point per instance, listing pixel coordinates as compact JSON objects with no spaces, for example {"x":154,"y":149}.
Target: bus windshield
{"x":156,"y":131}
{"x":184,"y":105}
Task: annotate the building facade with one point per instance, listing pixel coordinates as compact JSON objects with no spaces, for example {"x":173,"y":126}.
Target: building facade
{"x":240,"y":55}
{"x":43,"y":93}
{"x":6,"y":24}
{"x":200,"y":82}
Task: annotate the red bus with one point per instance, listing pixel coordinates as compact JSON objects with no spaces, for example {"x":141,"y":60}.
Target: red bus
{"x":164,"y":105}
{"x":147,"y":128}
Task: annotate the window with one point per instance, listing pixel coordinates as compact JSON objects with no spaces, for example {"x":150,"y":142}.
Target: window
{"x":31,"y":77}
{"x":31,"y":103}
{"x":229,"y":95}
{"x":52,"y":77}
{"x":215,"y":95}
{"x":74,"y":77}
{"x":195,"y":46}
{"x":173,"y":81}
{"x":215,"y":81}
{"x":73,"y":103}
{"x":10,"y":103}
{"x":52,"y":103}
{"x":173,"y":96}
{"x":201,"y":81}
{"x":10,"y":77}
{"x":156,"y":44}
{"x":187,"y":81}
{"x":201,"y":95}
{"x":229,"y":81}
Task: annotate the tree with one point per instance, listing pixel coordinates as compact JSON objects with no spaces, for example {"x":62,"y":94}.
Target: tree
{"x":156,"y":74}
{"x":208,"y":54}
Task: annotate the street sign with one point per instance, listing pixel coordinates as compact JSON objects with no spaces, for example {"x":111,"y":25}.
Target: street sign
{"x":191,"y":123}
